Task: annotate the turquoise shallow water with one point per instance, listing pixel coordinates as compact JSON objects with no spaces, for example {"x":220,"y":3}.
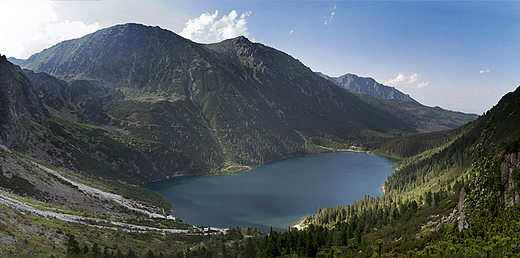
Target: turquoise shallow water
{"x":277,"y":194}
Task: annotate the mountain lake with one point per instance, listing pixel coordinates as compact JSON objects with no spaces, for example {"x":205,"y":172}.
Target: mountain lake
{"x":277,"y":194}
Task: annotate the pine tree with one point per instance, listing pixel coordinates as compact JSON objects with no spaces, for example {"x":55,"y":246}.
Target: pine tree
{"x":73,"y":245}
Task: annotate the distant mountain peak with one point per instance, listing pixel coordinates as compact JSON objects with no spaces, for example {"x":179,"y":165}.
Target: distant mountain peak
{"x":237,"y":41}
{"x":368,"y":86}
{"x":131,"y":25}
{"x":241,"y":39}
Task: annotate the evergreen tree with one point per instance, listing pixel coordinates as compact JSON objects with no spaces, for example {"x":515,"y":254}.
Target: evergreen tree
{"x":96,"y":252}
{"x":73,"y":245}
{"x":224,"y":250}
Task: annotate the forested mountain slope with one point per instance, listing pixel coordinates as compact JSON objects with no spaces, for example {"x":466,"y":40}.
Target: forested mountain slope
{"x":438,"y":158}
{"x":455,"y":193}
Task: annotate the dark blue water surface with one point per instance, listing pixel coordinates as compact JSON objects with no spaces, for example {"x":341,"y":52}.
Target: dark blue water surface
{"x":278,"y":194}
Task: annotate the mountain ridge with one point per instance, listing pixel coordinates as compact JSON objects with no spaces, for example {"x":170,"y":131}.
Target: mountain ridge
{"x":196,"y":108}
{"x":368,"y":86}
{"x":180,"y":107}
{"x":19,"y":101}
{"x":424,"y":118}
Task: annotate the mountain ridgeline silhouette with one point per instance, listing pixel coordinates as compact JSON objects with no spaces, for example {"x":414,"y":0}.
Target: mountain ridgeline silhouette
{"x":368,"y":86}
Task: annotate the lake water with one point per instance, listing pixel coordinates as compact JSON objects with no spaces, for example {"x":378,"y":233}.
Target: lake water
{"x":278,"y":194}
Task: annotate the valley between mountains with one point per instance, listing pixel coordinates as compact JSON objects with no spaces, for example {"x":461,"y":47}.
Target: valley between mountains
{"x":84,"y":123}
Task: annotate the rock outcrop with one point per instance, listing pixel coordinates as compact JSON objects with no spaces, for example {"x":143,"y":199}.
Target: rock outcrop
{"x":509,"y":185}
{"x":17,"y":100}
{"x":463,"y":222}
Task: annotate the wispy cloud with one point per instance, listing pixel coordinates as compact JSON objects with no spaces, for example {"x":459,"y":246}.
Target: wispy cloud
{"x":484,"y":71}
{"x":329,"y":19}
{"x":413,"y":78}
{"x":397,"y":80}
{"x":207,"y":29}
{"x":402,"y":79}
{"x":422,"y":85}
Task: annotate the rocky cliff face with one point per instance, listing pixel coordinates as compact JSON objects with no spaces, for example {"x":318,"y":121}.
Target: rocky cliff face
{"x":19,"y":105}
{"x":509,"y":169}
{"x":463,"y":222}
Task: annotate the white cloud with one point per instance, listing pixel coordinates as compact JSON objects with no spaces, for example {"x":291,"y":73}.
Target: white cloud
{"x":207,"y":29}
{"x":484,"y":71}
{"x":31,"y":26}
{"x":397,"y":80}
{"x":422,"y":85}
{"x":413,"y":78}
{"x":402,"y":79}
{"x":329,"y":19}
{"x":57,"y":32}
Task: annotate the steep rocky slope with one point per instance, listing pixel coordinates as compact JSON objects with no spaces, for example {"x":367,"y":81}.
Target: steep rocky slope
{"x":20,"y":104}
{"x":510,"y":178}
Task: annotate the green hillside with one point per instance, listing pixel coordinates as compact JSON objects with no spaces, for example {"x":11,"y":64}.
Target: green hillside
{"x":432,"y":158}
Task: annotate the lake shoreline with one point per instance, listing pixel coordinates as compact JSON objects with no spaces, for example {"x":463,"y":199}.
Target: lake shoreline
{"x":353,"y":150}
{"x":298,"y":227}
{"x":246,"y":168}
{"x":271,"y":194}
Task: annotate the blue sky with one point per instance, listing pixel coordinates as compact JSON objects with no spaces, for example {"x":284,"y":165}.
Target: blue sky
{"x":461,"y":55}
